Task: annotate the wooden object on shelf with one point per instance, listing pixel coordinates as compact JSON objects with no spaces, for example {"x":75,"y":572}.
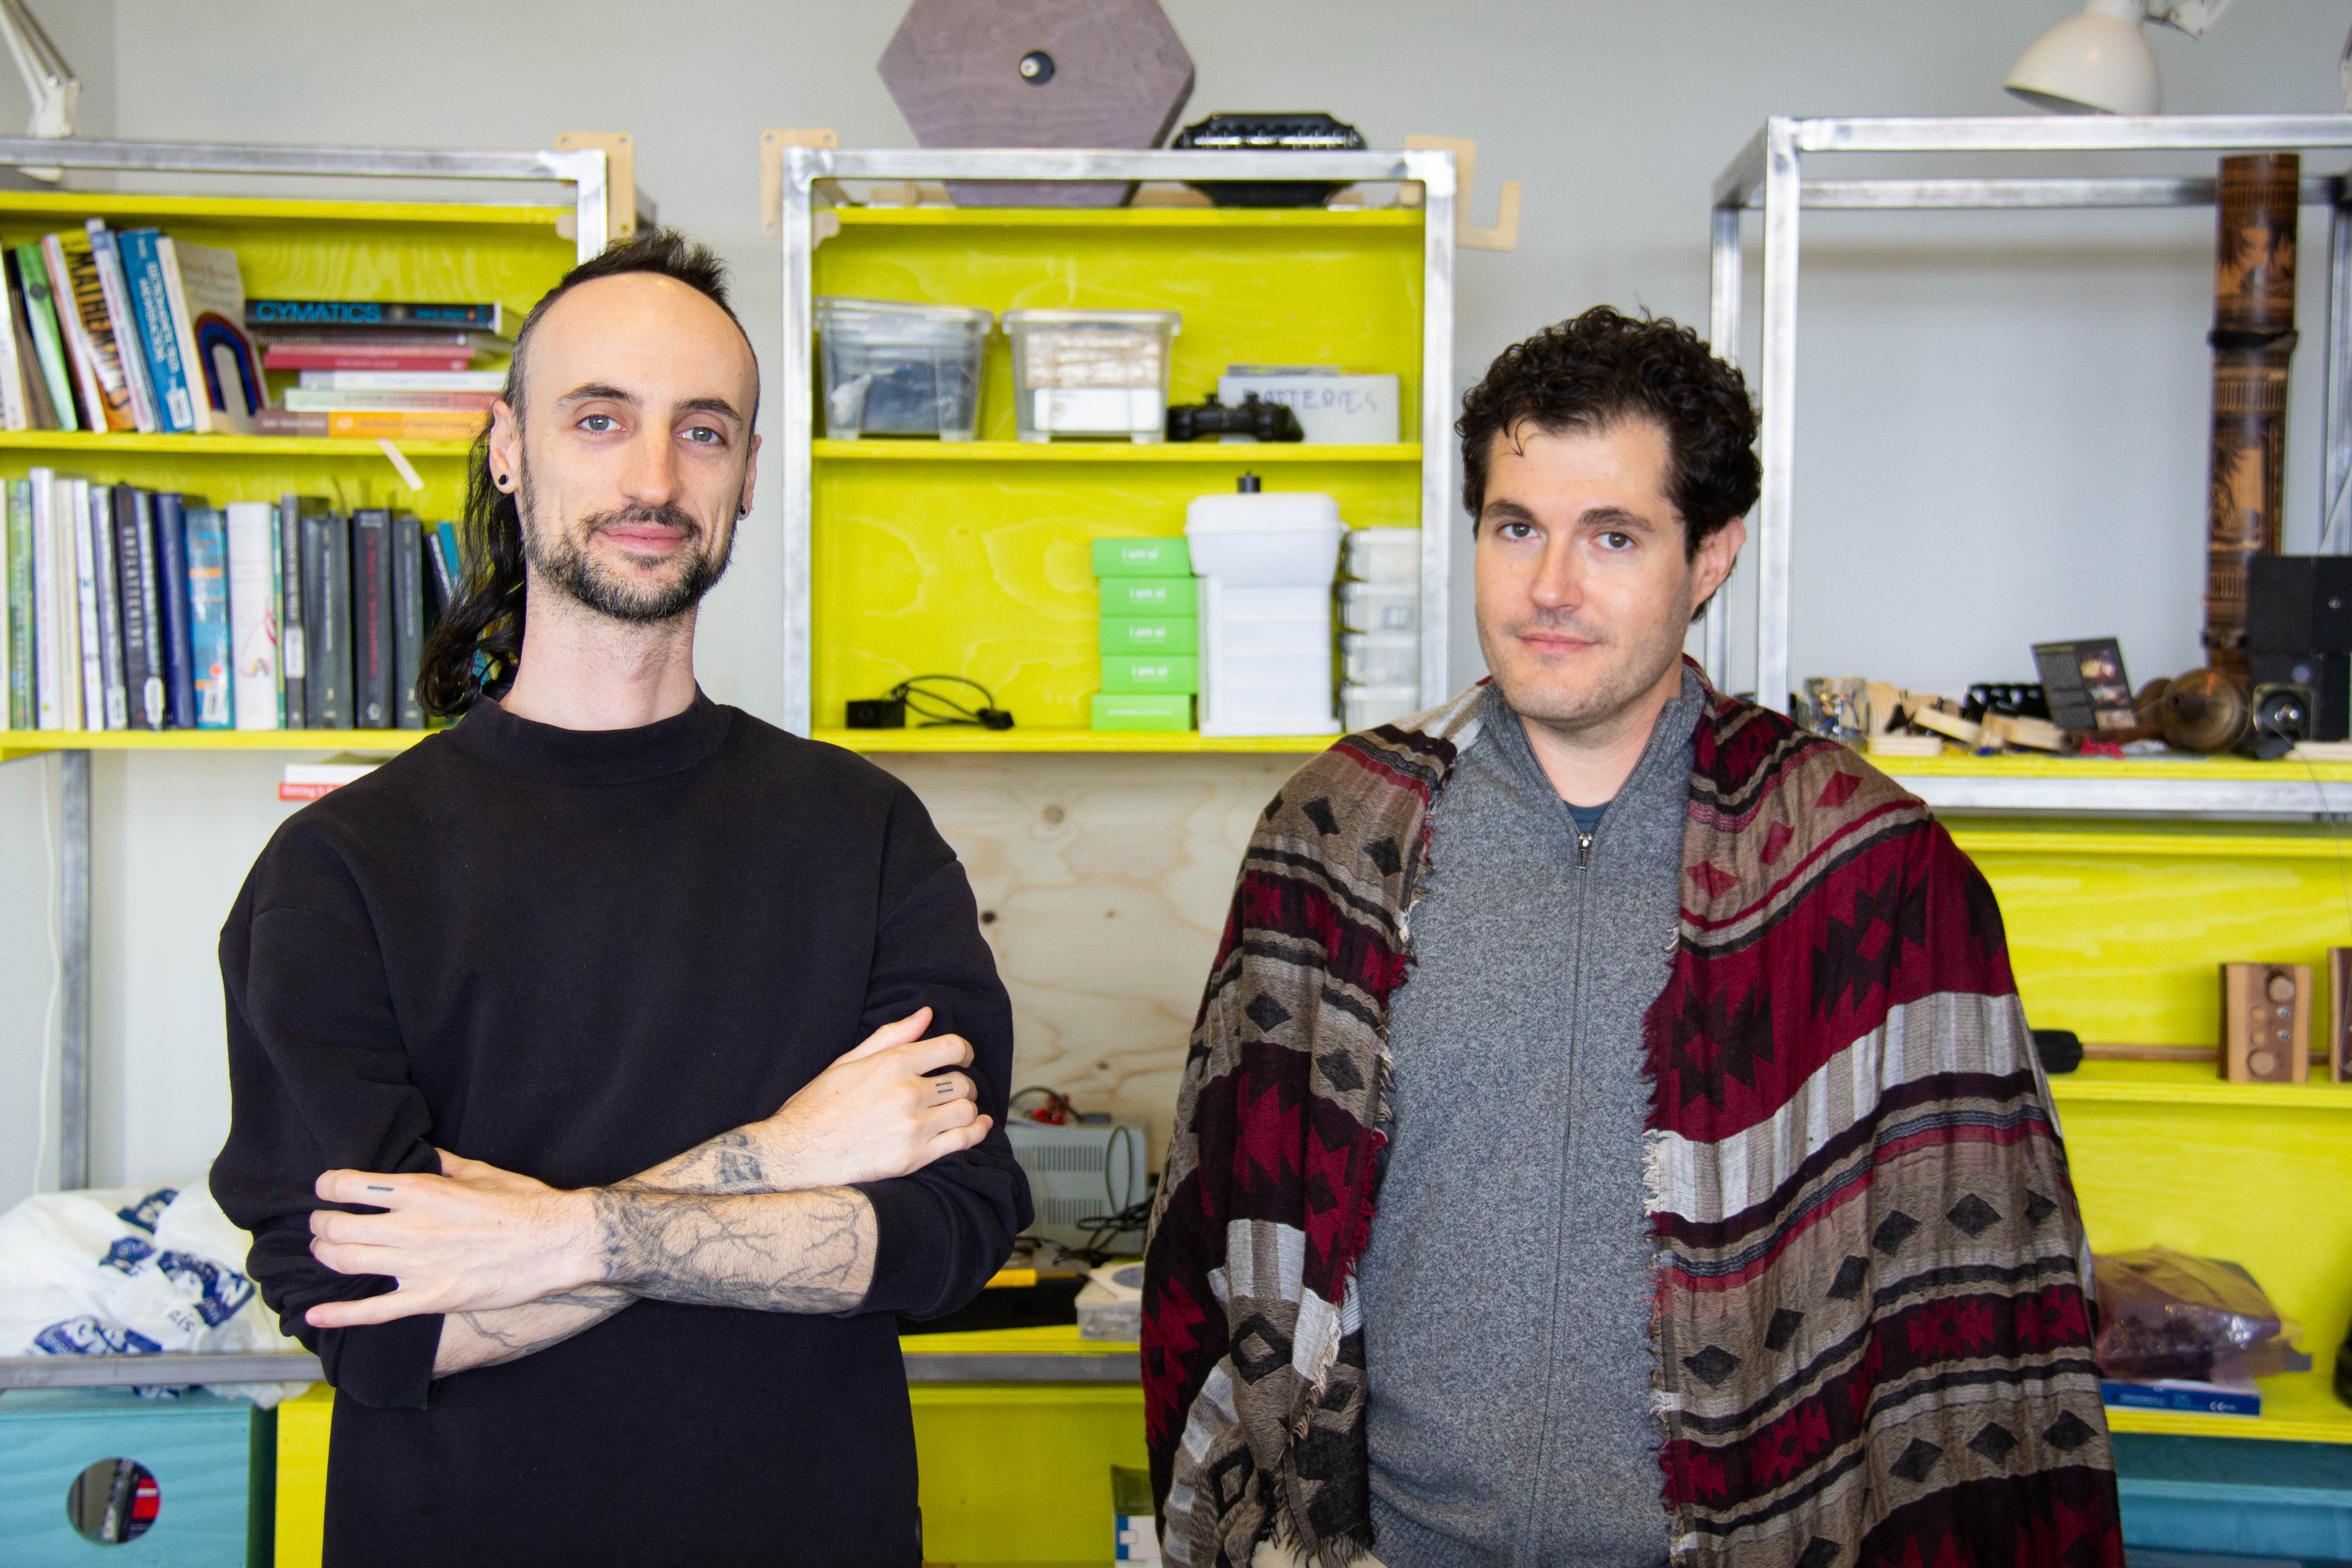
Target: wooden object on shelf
{"x":2339,"y":1014}
{"x":620,"y":177}
{"x":2265,"y":1023}
{"x":2253,"y":339}
{"x":771,"y":172}
{"x":1505,"y":235}
{"x":2204,"y":711}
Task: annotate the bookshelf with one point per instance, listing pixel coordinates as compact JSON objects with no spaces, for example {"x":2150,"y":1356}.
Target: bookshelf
{"x":909,"y":557}
{"x":473,"y":250}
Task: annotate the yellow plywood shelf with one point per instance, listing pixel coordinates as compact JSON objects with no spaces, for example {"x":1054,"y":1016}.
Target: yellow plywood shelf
{"x":87,"y":446}
{"x":2299,"y":1407}
{"x":1247,"y":454}
{"x":1196,"y":219}
{"x":62,"y":205}
{"x":2190,"y":1083}
{"x":964,"y":737}
{"x":29,"y":742}
{"x":1048,"y":1338}
{"x":2170,"y":765}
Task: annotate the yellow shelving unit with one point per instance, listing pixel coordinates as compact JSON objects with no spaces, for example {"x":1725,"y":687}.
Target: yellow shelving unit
{"x":906,"y":558}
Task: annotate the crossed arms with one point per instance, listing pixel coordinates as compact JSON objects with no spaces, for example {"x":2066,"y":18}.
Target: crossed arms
{"x":763,"y":1217}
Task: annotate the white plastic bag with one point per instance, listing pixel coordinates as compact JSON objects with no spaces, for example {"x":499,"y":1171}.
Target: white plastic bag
{"x":132,"y":1271}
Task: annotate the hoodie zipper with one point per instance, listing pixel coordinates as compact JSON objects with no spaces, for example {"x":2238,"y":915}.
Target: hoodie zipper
{"x":1584,"y":849}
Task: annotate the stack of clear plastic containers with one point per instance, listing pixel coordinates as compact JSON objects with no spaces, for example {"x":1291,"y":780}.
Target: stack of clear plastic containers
{"x":1379,"y":626}
{"x":1091,"y":372}
{"x":897,"y":369}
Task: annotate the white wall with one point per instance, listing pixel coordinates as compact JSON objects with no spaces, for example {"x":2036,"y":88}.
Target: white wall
{"x":2002,"y":418}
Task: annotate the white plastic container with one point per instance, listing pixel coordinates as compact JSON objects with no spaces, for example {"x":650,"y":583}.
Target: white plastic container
{"x":1388,"y":607}
{"x":1354,"y":410}
{"x":1266,"y":559}
{"x":1380,"y":658}
{"x":897,"y":369}
{"x":1091,"y":372}
{"x":1382,"y":555}
{"x":1362,"y":707}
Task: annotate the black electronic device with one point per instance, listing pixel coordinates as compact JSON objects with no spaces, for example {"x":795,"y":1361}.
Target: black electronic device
{"x":1269,"y":133}
{"x":2299,"y":603}
{"x":878,"y":714}
{"x":921,"y":696}
{"x":2325,"y":678}
{"x":1256,"y":416}
{"x":2061,"y":1050}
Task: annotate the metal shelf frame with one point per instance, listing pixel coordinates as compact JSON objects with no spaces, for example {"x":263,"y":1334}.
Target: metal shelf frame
{"x":1768,"y":177}
{"x":583,"y":169}
{"x":803,"y":167}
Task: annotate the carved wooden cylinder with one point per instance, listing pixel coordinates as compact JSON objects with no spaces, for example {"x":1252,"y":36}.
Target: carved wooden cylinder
{"x":2253,"y":338}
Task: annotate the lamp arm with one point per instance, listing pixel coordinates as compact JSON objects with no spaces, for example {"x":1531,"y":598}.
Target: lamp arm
{"x":2194,"y":17}
{"x":49,"y":81}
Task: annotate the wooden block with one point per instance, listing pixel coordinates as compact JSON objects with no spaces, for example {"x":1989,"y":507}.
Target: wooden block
{"x":2339,"y":1013}
{"x":2266,"y":1023}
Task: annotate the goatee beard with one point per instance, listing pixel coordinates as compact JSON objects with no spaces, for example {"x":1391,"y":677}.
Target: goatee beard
{"x":565,"y":566}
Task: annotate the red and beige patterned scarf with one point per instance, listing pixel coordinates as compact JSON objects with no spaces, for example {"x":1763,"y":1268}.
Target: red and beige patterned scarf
{"x":1870,"y":1332}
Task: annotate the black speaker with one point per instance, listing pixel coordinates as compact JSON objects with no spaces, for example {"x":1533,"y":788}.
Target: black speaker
{"x":2299,"y":603}
{"x":2329,"y":675}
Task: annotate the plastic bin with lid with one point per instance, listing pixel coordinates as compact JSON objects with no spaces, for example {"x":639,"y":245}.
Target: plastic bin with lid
{"x":892,"y":368}
{"x":1091,"y":372}
{"x":1362,"y":707}
{"x":1382,"y":555}
{"x":1391,"y":607}
{"x":1380,"y":658}
{"x":1266,"y":559}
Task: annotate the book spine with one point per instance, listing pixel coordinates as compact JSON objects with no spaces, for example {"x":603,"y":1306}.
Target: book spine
{"x":16,"y":374}
{"x":293,"y":652}
{"x":48,"y":712}
{"x":8,"y":617}
{"x":136,"y":619}
{"x":490,"y":380}
{"x":71,"y":543}
{"x":371,"y":619}
{"x":414,"y":425}
{"x":179,"y":651}
{"x":327,"y":601}
{"x":122,"y":325}
{"x":437,"y":573}
{"x":252,"y":628}
{"x":205,"y":415}
{"x":98,"y":504}
{"x":159,"y":336}
{"x":82,"y":301}
{"x":49,"y":344}
{"x":40,"y":413}
{"x":149,"y":701}
{"x":24,"y":702}
{"x":74,"y":327}
{"x":86,"y":629}
{"x":365,"y":314}
{"x":208,"y":617}
{"x":407,"y":620}
{"x":299,"y":358}
{"x":332,"y":400}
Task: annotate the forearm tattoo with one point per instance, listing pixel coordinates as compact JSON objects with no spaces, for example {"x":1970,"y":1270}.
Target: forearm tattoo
{"x":730,"y":1163}
{"x":511,"y":1334}
{"x":802,"y":1252}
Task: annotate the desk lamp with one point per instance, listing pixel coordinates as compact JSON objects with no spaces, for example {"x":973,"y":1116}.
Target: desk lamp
{"x":2097,"y":63}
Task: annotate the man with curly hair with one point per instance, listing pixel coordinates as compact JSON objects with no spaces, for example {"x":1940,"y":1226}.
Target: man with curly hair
{"x":1611,"y":1132}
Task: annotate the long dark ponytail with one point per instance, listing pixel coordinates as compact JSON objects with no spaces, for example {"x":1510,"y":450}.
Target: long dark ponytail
{"x":477,"y":646}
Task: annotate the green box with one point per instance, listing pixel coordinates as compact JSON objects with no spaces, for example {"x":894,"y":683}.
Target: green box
{"x":1150,"y":634}
{"x":1150,"y":595}
{"x":1166,"y":673}
{"x":1142,"y":558}
{"x":1142,"y":711}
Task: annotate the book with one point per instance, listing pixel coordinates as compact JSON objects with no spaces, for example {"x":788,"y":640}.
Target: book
{"x":407,"y":620}
{"x":8,"y":598}
{"x":371,"y":315}
{"x":40,"y":413}
{"x":49,"y":340}
{"x":207,"y":293}
{"x":455,"y":564}
{"x":209,"y":621}
{"x":409,"y":425}
{"x":2233,"y":1397}
{"x":327,"y":619}
{"x":49,"y":694}
{"x":252,"y":620}
{"x":490,"y":380}
{"x":438,"y":573}
{"x":172,"y":598}
{"x":327,"y":400}
{"x":293,"y":617}
{"x":114,"y":692}
{"x":159,"y":334}
{"x":88,"y":673}
{"x":134,"y":565}
{"x":17,"y":371}
{"x":122,"y":324}
{"x":371,"y":651}
{"x":98,"y":358}
{"x":374,"y":359}
{"x":23,"y":703}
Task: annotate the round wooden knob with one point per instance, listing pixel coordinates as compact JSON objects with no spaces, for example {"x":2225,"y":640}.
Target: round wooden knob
{"x":2282,"y":988}
{"x":2262,"y":1064}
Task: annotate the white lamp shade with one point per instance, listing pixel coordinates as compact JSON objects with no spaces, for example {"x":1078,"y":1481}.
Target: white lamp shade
{"x":2095,"y":63}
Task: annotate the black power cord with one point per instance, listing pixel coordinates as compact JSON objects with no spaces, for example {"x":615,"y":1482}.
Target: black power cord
{"x":938,"y":709}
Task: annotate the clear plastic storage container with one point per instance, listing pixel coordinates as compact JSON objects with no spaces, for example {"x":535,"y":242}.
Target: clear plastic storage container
{"x":1266,"y":560}
{"x":1391,"y":607}
{"x":1378,"y":659}
{"x":1091,"y":372}
{"x":1383,"y":554}
{"x":897,"y":369}
{"x":1362,"y":707}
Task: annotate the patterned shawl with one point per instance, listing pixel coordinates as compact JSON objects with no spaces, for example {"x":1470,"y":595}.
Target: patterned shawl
{"x":1870,"y":1328}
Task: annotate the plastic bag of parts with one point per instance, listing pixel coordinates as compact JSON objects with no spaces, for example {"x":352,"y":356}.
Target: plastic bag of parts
{"x":2165,"y":1314}
{"x":132,"y":1271}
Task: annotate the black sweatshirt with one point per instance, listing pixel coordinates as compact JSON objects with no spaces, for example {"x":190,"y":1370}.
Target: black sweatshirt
{"x":575,"y":955}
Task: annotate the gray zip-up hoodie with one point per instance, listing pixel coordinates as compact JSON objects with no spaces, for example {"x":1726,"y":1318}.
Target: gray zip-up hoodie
{"x":1506,"y":1288}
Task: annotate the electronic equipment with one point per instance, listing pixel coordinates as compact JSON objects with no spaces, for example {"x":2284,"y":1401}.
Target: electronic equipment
{"x":1079,"y":1173}
{"x":2266,"y":1023}
{"x":2339,"y":1010}
{"x":2061,"y":1050}
{"x":2083,"y":684}
{"x":2324,"y":680}
{"x":2299,"y":603}
{"x":1253,"y":417}
{"x":2008,"y":699}
{"x":1270,"y":133}
{"x":878,"y":714}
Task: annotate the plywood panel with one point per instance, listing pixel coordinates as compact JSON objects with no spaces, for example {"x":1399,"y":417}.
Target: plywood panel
{"x":1103,"y":883}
